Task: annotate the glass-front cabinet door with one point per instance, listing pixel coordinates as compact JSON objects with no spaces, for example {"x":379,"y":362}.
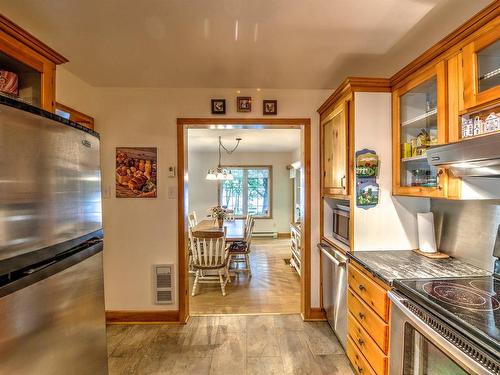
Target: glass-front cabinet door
{"x":419,"y":111}
{"x":481,"y":69}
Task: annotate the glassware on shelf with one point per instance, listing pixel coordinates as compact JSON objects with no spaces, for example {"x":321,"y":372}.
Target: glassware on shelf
{"x":418,"y":131}
{"x":423,"y":178}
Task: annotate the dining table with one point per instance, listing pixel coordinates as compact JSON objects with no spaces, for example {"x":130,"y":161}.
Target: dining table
{"x":235,"y":229}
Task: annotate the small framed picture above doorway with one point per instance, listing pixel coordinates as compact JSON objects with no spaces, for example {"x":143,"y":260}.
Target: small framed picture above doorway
{"x":270,"y":107}
{"x":218,"y":106}
{"x":244,"y":104}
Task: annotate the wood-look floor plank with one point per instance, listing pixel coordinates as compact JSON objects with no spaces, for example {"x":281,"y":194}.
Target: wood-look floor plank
{"x":233,"y":323}
{"x":236,"y":345}
{"x":229,"y":357}
{"x":127,"y":355}
{"x":321,"y":340}
{"x":290,"y":322}
{"x":115,"y":334}
{"x":261,"y":337}
{"x":264,"y":366}
{"x":200,"y":341}
{"x":273,"y":288}
{"x":161,"y":354}
{"x":186,"y":365}
{"x":334,"y":364}
{"x":296,"y":356}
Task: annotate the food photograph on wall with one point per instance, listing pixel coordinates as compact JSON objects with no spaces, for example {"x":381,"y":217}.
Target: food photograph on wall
{"x":136,"y":172}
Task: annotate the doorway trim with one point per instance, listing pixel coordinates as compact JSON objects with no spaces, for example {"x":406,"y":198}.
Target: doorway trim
{"x":183,"y":124}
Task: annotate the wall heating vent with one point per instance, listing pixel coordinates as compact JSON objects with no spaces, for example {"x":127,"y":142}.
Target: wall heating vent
{"x":163,"y":275}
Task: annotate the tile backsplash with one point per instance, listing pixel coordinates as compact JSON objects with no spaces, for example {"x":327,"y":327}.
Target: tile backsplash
{"x":467,"y":229}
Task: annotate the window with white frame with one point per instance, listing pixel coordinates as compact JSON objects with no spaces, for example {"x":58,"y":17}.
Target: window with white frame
{"x":249,"y":192}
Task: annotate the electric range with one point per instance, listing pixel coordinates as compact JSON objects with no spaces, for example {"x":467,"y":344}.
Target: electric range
{"x":453,"y":325}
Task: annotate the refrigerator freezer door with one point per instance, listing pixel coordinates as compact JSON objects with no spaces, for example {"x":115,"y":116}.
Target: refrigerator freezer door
{"x":50,"y":189}
{"x":56,"y":326}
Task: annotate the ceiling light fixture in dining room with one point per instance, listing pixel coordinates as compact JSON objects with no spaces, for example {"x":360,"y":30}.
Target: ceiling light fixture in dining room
{"x":220,"y":173}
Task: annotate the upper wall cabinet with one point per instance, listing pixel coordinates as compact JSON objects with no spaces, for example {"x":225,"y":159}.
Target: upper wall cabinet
{"x":481,"y":69}
{"x":334,"y":130}
{"x":419,"y":121}
{"x":28,"y":65}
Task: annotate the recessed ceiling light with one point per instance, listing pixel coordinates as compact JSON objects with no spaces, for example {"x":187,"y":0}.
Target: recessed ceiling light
{"x":238,"y":91}
{"x":258,"y":89}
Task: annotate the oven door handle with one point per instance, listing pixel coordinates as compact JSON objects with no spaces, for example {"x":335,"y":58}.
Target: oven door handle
{"x":397,"y":301}
{"x":425,"y":330}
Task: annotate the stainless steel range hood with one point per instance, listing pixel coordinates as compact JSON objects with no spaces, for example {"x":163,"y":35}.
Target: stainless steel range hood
{"x":477,"y":157}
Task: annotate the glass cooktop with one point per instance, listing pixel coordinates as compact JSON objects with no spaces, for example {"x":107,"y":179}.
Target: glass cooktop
{"x":471,"y":303}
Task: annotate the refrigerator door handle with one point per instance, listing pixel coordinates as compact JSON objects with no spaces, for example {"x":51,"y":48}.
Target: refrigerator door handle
{"x":36,"y":269}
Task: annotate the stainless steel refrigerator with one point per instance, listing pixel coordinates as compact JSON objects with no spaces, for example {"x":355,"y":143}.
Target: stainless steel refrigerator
{"x":51,"y":281}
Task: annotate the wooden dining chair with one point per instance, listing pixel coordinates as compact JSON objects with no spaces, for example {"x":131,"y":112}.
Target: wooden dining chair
{"x":192,"y":219}
{"x":210,"y":253}
{"x":239,"y":251}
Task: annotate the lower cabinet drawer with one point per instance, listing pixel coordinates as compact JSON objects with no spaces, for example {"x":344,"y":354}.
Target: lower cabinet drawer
{"x":369,"y":320}
{"x":372,"y":294}
{"x":360,"y":364}
{"x":366,"y":345}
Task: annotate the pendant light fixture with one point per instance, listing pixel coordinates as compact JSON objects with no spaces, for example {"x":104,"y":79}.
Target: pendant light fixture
{"x":219,"y":173}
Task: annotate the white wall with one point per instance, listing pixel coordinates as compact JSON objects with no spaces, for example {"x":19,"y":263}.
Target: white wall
{"x":140,"y":233}
{"x":392,"y":224}
{"x":75,"y":93}
{"x":203,"y":193}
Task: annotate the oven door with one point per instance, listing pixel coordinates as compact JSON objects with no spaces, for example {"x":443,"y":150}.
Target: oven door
{"x":416,"y":348}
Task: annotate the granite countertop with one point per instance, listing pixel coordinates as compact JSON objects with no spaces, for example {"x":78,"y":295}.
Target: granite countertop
{"x":406,"y":264}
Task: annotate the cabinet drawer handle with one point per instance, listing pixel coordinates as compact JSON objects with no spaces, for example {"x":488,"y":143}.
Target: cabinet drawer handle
{"x":360,"y":370}
{"x":342,"y":185}
{"x":361,"y":287}
{"x":361,"y":315}
{"x":361,"y":341}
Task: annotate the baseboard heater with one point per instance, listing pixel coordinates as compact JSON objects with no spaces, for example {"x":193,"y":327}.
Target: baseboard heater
{"x":265,"y":234}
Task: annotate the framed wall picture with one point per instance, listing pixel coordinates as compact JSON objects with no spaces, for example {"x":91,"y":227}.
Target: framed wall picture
{"x":136,"y":169}
{"x":244,"y":103}
{"x":270,"y":107}
{"x":218,"y":106}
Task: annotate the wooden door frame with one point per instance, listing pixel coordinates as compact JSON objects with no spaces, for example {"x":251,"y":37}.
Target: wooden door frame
{"x":183,"y":124}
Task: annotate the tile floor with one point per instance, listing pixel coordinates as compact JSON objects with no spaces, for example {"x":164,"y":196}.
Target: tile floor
{"x":229,"y":344}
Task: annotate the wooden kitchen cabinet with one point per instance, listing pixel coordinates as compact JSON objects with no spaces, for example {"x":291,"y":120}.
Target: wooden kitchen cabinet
{"x":74,"y":115}
{"x":368,"y":322}
{"x":419,"y":109}
{"x":335,"y":150}
{"x":32,"y":61}
{"x":481,"y":68}
{"x":339,"y":122}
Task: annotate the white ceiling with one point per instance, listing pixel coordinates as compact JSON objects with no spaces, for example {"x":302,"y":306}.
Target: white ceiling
{"x":253,"y":140}
{"x":237,"y":43}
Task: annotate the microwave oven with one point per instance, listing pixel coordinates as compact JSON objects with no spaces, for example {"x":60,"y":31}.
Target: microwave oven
{"x":341,"y":216}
